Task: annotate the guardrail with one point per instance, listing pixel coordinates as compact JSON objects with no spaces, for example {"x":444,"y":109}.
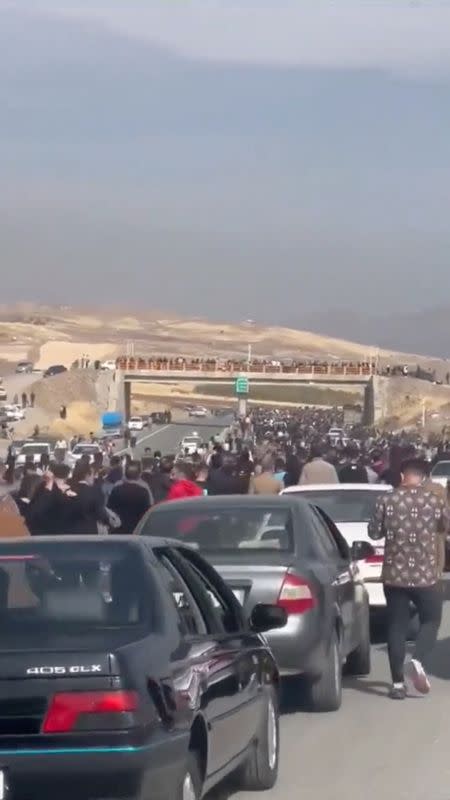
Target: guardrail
{"x":216,"y":366}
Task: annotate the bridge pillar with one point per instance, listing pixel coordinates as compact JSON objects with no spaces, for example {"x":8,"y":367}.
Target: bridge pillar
{"x":242,"y":406}
{"x":127,"y":400}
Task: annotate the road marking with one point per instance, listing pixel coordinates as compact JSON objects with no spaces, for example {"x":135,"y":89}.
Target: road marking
{"x":144,"y":439}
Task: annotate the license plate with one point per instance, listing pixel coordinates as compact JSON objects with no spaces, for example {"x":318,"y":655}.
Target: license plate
{"x":240,"y":597}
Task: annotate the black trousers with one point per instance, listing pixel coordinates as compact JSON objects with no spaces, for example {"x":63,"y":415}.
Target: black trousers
{"x":428,"y":602}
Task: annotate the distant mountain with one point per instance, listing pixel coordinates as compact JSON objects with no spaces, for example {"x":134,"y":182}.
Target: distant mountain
{"x":425,"y":332}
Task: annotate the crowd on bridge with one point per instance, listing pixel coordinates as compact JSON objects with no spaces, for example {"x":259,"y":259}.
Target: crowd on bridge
{"x":288,"y":366}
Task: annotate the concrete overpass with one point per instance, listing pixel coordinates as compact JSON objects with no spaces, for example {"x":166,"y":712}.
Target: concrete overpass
{"x":344,"y":376}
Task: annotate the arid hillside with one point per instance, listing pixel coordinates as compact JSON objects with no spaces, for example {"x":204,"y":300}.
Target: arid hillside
{"x":60,"y":335}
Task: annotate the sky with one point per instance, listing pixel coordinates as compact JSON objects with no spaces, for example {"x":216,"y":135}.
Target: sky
{"x":271,"y":160}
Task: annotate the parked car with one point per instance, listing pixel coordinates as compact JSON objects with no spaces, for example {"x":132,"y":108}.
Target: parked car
{"x":83,"y":449}
{"x":33,"y":451}
{"x":13,"y":412}
{"x":24,"y":367}
{"x":56,"y":369}
{"x":198,"y":411}
{"x":350,"y":506}
{"x":152,"y":681}
{"x":190,"y":444}
{"x":136,"y":424}
{"x":440,"y":473}
{"x":280,"y":550}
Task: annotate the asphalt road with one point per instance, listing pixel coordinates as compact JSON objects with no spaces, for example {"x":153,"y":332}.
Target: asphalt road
{"x":373,"y":747}
{"x":167,"y":438}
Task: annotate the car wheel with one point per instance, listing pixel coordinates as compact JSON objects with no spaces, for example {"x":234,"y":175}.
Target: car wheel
{"x":260,"y":771}
{"x":358,"y":662}
{"x":190,"y":786}
{"x":325,"y":693}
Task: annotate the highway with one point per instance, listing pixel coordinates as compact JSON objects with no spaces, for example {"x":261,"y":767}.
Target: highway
{"x":167,"y":438}
{"x":373,"y":747}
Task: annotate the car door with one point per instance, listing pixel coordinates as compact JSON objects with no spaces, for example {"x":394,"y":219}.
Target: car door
{"x":359,"y":593}
{"x":236,"y":680}
{"x":341,"y":575}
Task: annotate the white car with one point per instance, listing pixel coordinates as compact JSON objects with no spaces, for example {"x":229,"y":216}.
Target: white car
{"x":33,"y":451}
{"x":82,"y":449}
{"x":135,"y":424}
{"x":198,"y":411}
{"x":110,"y":365}
{"x":350,"y":506}
{"x":190,"y":444}
{"x":441,"y":473}
{"x":14,"y":412}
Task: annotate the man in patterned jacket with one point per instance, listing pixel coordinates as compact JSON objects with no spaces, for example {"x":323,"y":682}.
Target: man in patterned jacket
{"x":413,"y":520}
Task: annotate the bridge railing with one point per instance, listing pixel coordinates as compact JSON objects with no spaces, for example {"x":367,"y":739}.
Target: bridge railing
{"x":165,"y":364}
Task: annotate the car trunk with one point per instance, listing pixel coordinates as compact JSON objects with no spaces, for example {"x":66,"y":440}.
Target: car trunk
{"x":254,"y":576}
{"x":29,"y":679}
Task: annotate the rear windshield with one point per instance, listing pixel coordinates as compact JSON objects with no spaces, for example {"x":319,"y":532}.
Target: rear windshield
{"x":442,"y":469}
{"x":344,"y":506}
{"x":85,"y":448}
{"x":224,"y":529}
{"x":70,"y":588}
{"x":35,"y":449}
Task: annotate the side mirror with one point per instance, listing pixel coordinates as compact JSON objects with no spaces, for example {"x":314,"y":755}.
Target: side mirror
{"x":361,"y":550}
{"x":265,"y":617}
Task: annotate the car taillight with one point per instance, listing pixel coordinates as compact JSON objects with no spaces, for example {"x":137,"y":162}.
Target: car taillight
{"x":296,"y":595}
{"x":377,"y":558}
{"x":66,"y":707}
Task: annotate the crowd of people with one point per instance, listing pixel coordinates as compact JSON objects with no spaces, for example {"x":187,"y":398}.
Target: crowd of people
{"x":261,"y":454}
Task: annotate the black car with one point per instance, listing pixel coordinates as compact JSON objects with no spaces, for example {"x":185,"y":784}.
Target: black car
{"x":56,"y":369}
{"x":283,"y":550}
{"x":129,"y":670}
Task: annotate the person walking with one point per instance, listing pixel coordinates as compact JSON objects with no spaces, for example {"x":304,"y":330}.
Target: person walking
{"x":412,"y":519}
{"x":317,"y":470}
{"x":266,"y":482}
{"x":32,"y":399}
{"x":24,"y":399}
{"x":129,"y":500}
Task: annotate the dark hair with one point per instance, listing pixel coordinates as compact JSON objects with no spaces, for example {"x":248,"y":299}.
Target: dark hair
{"x":115,"y":461}
{"x":166,"y":465}
{"x":317,"y":450}
{"x":414,"y":466}
{"x":82,"y":470}
{"x":60,"y":471}
{"x":29,"y":485}
{"x":186,"y":469}
{"x":133,"y":471}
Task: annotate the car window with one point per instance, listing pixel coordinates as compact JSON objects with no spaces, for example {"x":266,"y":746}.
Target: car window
{"x":324,"y":542}
{"x":219,"y":608}
{"x":344,"y":505}
{"x":441,"y":469}
{"x":189,"y":615}
{"x":235,"y":529}
{"x":49,"y":591}
{"x":341,"y":544}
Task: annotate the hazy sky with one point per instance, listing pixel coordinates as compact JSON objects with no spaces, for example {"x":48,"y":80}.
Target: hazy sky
{"x":238,"y":159}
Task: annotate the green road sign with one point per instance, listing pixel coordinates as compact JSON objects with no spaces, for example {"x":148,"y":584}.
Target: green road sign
{"x":241,"y":385}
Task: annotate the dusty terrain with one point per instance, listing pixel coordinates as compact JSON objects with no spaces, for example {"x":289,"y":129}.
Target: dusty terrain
{"x":61,"y":335}
{"x":49,"y":336}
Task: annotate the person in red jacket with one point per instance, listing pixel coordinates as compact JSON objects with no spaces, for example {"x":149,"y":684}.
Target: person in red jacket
{"x":183,"y":482}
